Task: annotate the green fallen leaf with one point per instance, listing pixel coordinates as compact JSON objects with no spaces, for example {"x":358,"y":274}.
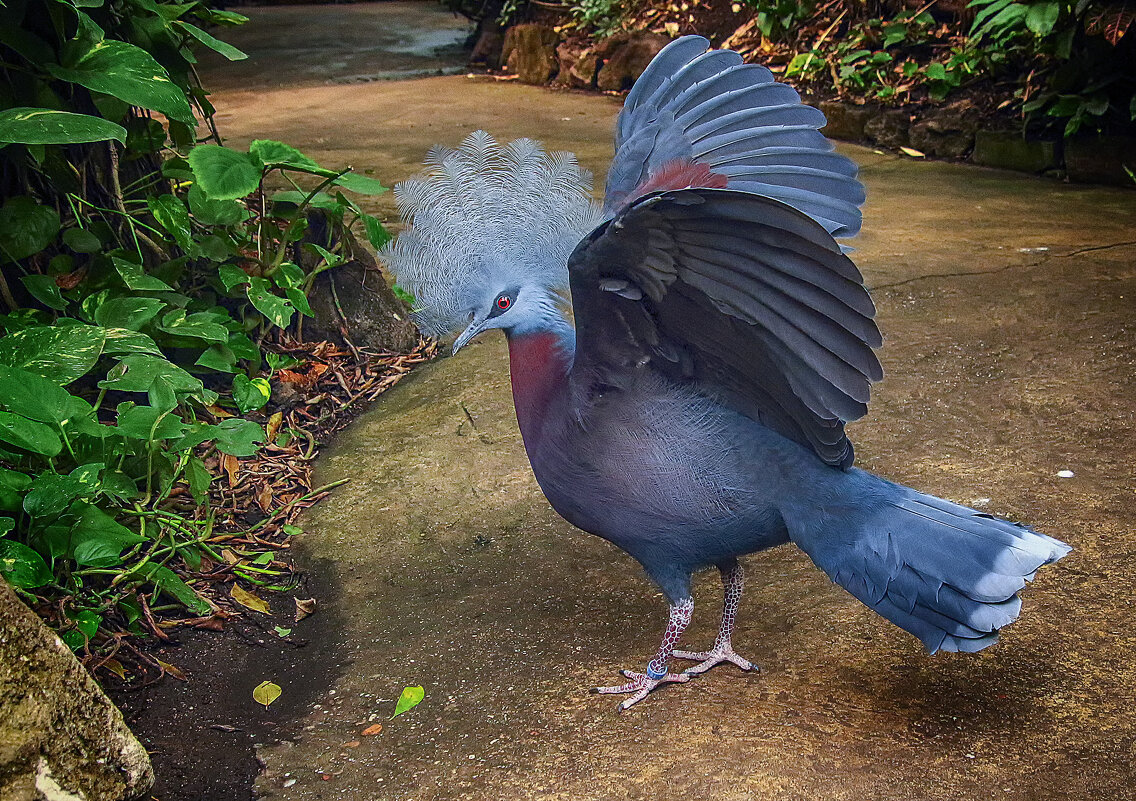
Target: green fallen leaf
{"x":281,"y":631}
{"x":410,"y":698}
{"x":266,"y":692}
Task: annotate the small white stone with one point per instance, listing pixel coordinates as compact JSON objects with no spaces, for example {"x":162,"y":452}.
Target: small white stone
{"x":1065,"y":474}
{"x":289,"y":782}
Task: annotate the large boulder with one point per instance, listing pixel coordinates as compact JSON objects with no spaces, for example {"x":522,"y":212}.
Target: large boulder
{"x":61,"y":738}
{"x":845,"y":120}
{"x":529,"y":51}
{"x":353,"y":301}
{"x":948,"y":134}
{"x":889,"y":128}
{"x":624,"y":57}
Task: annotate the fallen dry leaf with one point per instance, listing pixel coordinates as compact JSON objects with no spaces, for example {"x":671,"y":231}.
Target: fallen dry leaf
{"x":247,"y":599}
{"x":373,"y":729}
{"x":910,"y":151}
{"x":304,"y":607}
{"x":352,"y":744}
{"x":231,"y":466}
{"x":173,"y":670}
{"x":274,"y":423}
{"x":115,"y":667}
{"x":264,"y":498}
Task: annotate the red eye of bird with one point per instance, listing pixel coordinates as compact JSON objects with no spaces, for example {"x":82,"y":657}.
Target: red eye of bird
{"x":503,"y":302}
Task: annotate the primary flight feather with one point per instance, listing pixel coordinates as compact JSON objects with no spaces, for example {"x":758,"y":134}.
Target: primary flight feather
{"x":694,"y":412}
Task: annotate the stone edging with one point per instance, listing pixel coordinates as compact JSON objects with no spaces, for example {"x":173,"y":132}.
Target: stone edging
{"x":538,"y":55}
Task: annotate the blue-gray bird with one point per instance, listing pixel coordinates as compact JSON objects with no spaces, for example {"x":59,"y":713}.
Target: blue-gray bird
{"x":695,"y":410}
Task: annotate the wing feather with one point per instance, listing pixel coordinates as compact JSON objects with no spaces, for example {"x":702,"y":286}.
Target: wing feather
{"x":745,"y":296}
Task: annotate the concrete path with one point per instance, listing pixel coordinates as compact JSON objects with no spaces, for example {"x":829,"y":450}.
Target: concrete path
{"x":1008,"y":305}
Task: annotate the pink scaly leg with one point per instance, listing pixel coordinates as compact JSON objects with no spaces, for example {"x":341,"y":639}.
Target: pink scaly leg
{"x":643,"y":683}
{"x":732,"y":581}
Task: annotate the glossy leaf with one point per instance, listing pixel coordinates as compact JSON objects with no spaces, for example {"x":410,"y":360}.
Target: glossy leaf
{"x":171,"y":214}
{"x":26,"y":228}
{"x":43,"y":126}
{"x":20,"y":432}
{"x":224,"y":173}
{"x":213,"y":43}
{"x":59,"y":353}
{"x":21,"y":566}
{"x":129,"y":73}
{"x":410,"y":698}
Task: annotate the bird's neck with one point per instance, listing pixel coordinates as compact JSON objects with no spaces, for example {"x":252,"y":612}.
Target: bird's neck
{"x":539,"y":361}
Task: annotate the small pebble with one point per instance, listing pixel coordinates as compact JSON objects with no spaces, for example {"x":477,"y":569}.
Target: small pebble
{"x":289,"y":782}
{"x":1064,"y":473}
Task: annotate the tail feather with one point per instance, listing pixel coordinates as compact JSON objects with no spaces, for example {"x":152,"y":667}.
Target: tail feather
{"x":946,"y":573}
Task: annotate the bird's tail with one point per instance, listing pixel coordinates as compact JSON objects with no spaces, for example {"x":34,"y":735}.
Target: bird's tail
{"x":946,"y":573}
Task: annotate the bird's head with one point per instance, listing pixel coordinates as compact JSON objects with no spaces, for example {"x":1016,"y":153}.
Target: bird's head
{"x":513,"y":308}
{"x":489,"y":230}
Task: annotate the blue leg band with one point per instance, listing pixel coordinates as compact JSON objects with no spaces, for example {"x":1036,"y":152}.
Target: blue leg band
{"x":651,"y":674}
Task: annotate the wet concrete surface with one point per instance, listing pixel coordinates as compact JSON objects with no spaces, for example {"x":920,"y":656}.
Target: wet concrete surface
{"x":293,"y":45}
{"x":1008,"y":305}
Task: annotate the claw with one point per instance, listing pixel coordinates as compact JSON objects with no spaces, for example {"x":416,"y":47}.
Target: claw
{"x":708,"y":659}
{"x":640,"y":686}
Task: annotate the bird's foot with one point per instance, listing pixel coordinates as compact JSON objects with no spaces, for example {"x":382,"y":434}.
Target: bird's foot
{"x":708,"y":659}
{"x":640,"y":685}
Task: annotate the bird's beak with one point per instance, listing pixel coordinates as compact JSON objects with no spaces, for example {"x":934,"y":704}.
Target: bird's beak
{"x":475,"y":328}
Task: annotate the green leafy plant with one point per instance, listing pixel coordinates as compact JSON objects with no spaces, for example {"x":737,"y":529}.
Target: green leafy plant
{"x":142,"y":271}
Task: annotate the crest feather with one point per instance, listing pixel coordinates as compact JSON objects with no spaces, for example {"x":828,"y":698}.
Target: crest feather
{"x":484,"y":215}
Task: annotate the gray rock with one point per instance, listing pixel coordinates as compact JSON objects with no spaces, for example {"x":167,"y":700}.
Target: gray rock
{"x":61,"y":738}
{"x":889,"y":128}
{"x":1010,"y":151}
{"x":946,"y":135}
{"x":625,"y":56}
{"x":845,"y":120}
{"x":1101,"y":159}
{"x":353,"y":300}
{"x":530,"y":52}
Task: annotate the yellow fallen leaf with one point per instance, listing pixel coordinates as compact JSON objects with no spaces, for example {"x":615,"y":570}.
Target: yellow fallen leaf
{"x":910,"y":151}
{"x":266,"y":692}
{"x":173,"y":670}
{"x":231,"y":466}
{"x":273,"y":426}
{"x":246,"y":598}
{"x":115,"y":667}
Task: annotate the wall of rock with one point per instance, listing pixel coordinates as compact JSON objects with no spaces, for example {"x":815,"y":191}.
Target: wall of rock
{"x":61,"y":738}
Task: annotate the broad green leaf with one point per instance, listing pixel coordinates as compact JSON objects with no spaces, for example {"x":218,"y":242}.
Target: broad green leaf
{"x":87,"y":621}
{"x":170,"y":213}
{"x":43,"y":126}
{"x":51,"y":493}
{"x":134,"y":276}
{"x":1041,"y":17}
{"x":34,"y":396}
{"x":219,"y":358}
{"x":271,"y":152}
{"x":377,"y":235}
{"x":21,"y":566}
{"x":122,"y":341}
{"x":238,"y":437}
{"x":226,"y":17}
{"x":321,"y":200}
{"x":223,"y":173}
{"x":277,"y":309}
{"x":14,"y":479}
{"x":361,"y":184}
{"x":60,"y":353}
{"x":44,"y":289}
{"x":288,"y":275}
{"x":130,"y":313}
{"x":129,"y":73}
{"x":26,"y":228}
{"x":199,"y":478}
{"x":98,"y":540}
{"x":81,"y":240}
{"x":266,"y":692}
{"x":215,"y":212}
{"x":164,"y":382}
{"x":168,"y":582}
{"x":224,"y":48}
{"x":29,"y":435}
{"x":410,"y":698}
{"x":250,"y":395}
{"x":199,"y":325}
{"x":148,"y":423}
{"x":6,"y":525}
{"x":232,"y":276}
{"x":300,"y":301}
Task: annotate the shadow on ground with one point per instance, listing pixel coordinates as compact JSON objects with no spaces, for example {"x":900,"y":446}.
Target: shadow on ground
{"x":1007,"y":305}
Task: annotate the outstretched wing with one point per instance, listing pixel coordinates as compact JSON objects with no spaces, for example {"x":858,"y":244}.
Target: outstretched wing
{"x":703,"y":118}
{"x":742,"y":296}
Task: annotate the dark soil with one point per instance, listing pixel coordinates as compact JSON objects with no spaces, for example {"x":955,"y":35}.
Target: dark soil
{"x":202,"y":733}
